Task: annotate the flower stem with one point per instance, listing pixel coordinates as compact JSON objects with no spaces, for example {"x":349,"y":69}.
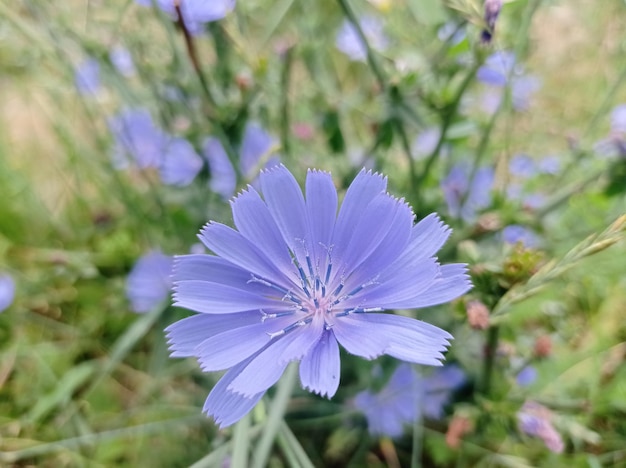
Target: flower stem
{"x":490,"y":356}
{"x":276,"y":413}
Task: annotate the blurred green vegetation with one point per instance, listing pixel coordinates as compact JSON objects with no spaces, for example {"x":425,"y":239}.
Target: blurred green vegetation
{"x":85,"y":382}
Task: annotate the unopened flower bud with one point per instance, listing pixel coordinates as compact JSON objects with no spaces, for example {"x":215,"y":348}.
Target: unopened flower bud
{"x":543,"y":346}
{"x":477,"y":315}
{"x":459,"y":426}
{"x":492,"y":11}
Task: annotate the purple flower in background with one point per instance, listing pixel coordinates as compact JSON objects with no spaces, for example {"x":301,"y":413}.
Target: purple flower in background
{"x":497,"y":69}
{"x":522,"y":166}
{"x":407,"y":397}
{"x":122,"y":60}
{"x":526,"y":376}
{"x":295,"y":279}
{"x":453,"y":32}
{"x":425,"y":143}
{"x":149,"y":283}
{"x":618,"y":119}
{"x":522,"y":89}
{"x":195,"y":12}
{"x":536,"y":420}
{"x":256,"y":146}
{"x":7,"y":291}
{"x":514,"y":233}
{"x":138,"y":138}
{"x":349,"y":42}
{"x":550,"y":165}
{"x":397,"y":404}
{"x":181,"y":164}
{"x":87,"y":77}
{"x":465,"y":198}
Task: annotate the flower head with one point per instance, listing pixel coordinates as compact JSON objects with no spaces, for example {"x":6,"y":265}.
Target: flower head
{"x":536,"y":420}
{"x":195,"y":12}
{"x":136,"y":136}
{"x":297,"y":277}
{"x":407,"y":397}
{"x":181,"y":164}
{"x":7,"y":291}
{"x":256,"y":145}
{"x":87,"y":77}
{"x":349,"y":42}
{"x":465,"y":197}
{"x":122,"y":60}
{"x":514,"y":233}
{"x":149,"y":282}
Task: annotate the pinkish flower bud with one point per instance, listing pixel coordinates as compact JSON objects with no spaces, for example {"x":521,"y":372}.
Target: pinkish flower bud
{"x":477,"y":315}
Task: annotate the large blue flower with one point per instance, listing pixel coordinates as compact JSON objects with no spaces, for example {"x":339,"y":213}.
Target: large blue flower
{"x":296,"y":278}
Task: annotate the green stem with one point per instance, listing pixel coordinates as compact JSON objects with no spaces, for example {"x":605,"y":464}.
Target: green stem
{"x":490,"y":357}
{"x":276,"y":413}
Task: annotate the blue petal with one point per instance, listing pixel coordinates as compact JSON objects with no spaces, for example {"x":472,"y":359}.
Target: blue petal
{"x":223,"y":176}
{"x":370,"y":335}
{"x":181,"y":164}
{"x":387,"y":225}
{"x":234,"y":247}
{"x":233,"y":346}
{"x":225,"y":406}
{"x":320,"y":368}
{"x":321,"y":203}
{"x":365,"y":187}
{"x":216,"y":298}
{"x":254,"y":221}
{"x":452,"y":283}
{"x":185,"y":335}
{"x":427,"y":237}
{"x":266,"y":368}
{"x":400,"y":286}
{"x":286,"y":204}
{"x":256,"y":144}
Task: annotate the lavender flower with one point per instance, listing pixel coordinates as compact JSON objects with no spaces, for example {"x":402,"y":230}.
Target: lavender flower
{"x":87,"y":77}
{"x":349,"y":42}
{"x":295,"y":279}
{"x":522,"y":89}
{"x":550,"y":165}
{"x":7,"y":291}
{"x":181,"y":164}
{"x":195,"y":12}
{"x":425,"y":143}
{"x":122,"y":60}
{"x":407,"y":397}
{"x":256,"y":145}
{"x":136,"y":136}
{"x":522,"y":166}
{"x":536,"y":420}
{"x":526,"y":376}
{"x":465,"y":197}
{"x":149,"y":282}
{"x":497,"y":68}
{"x":514,"y":233}
{"x":618,"y":119}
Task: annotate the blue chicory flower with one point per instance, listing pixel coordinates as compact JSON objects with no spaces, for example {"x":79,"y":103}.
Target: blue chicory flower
{"x":526,"y":376}
{"x":181,"y":164}
{"x":550,"y":165}
{"x":465,"y":198}
{"x":256,"y":145}
{"x":122,"y":60}
{"x":195,"y":12}
{"x":138,"y":138}
{"x":536,"y":420}
{"x":497,"y":68}
{"x":295,"y":279}
{"x":349,"y":42}
{"x":522,"y":166}
{"x":514,"y":233}
{"x":522,"y":89}
{"x":87,"y":77}
{"x":618,"y":119}
{"x":407,"y":397}
{"x":7,"y":291}
{"x":149,"y":282}
{"x":425,"y":143}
